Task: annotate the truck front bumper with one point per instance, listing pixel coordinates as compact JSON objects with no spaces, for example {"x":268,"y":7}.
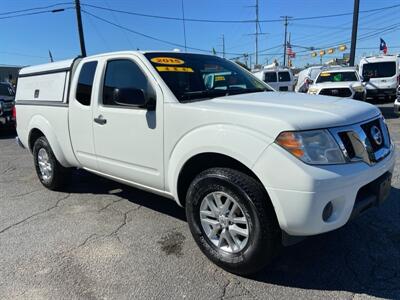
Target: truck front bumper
{"x":381,"y":93}
{"x":304,"y":195}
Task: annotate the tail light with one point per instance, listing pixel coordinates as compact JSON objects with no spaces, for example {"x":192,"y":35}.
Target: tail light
{"x":14,"y":114}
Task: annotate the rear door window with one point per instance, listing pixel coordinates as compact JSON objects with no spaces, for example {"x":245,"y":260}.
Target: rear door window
{"x":85,"y":83}
{"x":270,"y":77}
{"x":284,"y":76}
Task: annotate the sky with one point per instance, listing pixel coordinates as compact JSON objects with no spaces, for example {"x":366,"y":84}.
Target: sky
{"x":26,"y":40}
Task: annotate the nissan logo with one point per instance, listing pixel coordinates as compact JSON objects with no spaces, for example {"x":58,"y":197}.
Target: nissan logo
{"x":376,"y":135}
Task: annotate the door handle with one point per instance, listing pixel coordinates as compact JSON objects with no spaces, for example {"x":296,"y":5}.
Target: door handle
{"x":100,"y":120}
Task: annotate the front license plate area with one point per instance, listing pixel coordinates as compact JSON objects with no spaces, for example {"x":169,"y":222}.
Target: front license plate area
{"x":382,"y":187}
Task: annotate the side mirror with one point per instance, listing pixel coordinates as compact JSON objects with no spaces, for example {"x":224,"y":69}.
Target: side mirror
{"x":365,"y":79}
{"x":134,"y":98}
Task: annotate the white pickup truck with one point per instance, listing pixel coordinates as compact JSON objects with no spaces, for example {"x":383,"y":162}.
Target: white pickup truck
{"x":250,"y":166}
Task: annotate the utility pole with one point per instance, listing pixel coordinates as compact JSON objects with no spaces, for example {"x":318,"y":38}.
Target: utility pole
{"x":288,"y":58}
{"x":184,"y":25}
{"x":80,"y":27}
{"x":223,"y":45}
{"x":257,"y":27}
{"x":285,"y":40}
{"x":354,"y":32}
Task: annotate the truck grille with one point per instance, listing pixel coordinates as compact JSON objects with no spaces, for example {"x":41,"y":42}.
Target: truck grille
{"x":367,"y":141}
{"x":339,"y":92}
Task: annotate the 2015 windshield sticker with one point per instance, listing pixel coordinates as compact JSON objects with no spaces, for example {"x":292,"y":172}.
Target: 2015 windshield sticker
{"x":174,"y":69}
{"x":219,"y":78}
{"x":167,"y":61}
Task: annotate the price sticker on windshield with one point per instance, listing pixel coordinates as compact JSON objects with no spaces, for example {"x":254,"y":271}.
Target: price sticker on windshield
{"x":167,"y":61}
{"x":325,"y":74}
{"x":174,"y":69}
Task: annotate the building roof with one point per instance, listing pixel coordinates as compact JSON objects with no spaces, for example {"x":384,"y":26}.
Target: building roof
{"x":10,"y":66}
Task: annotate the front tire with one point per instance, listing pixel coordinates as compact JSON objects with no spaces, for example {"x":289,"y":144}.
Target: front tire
{"x":49,"y":171}
{"x":232,"y":220}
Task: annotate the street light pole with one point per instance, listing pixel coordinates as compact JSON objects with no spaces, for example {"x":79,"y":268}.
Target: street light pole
{"x":354,"y":32}
{"x":80,"y":27}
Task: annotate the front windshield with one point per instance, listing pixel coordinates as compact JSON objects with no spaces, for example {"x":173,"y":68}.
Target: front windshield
{"x":6,"y":90}
{"x":196,"y":76}
{"x":337,"y":77}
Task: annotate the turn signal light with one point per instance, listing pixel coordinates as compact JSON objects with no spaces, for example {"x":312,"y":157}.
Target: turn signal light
{"x":289,"y":141}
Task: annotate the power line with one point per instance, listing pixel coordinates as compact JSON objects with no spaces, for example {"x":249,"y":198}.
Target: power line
{"x":31,"y":13}
{"x":149,"y":36}
{"x":34,"y":8}
{"x":116,"y":21}
{"x":232,"y":21}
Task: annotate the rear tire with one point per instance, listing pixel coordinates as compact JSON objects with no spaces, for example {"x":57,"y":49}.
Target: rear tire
{"x":49,"y":171}
{"x":220,"y":229}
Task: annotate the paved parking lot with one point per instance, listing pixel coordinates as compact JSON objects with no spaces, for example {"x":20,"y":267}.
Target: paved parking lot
{"x":100,"y":239}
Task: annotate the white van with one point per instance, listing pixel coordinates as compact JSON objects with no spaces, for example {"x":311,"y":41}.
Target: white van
{"x":382,"y":74}
{"x":280,"y":79}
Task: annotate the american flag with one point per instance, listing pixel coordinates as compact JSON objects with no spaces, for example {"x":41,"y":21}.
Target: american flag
{"x":383,"y":47}
{"x":289,"y":50}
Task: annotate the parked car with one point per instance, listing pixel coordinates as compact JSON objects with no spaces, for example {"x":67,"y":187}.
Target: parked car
{"x":306,"y":77}
{"x":7,"y":95}
{"x":339,"y":82}
{"x":252,"y":167}
{"x":382,"y":74}
{"x":397,"y":102}
{"x":280,"y":79}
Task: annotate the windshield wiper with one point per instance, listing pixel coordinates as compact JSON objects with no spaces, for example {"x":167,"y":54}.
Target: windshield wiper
{"x":205,"y":94}
{"x":209,"y":94}
{"x":246,"y":91}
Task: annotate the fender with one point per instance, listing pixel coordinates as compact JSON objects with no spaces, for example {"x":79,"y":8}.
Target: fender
{"x":39,"y":122}
{"x":240,"y":143}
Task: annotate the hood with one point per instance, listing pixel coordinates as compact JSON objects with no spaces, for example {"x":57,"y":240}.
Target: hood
{"x":280,"y":111}
{"x":344,"y":84}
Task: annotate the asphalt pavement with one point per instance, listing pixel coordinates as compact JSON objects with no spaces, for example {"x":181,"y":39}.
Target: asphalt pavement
{"x":100,"y":239}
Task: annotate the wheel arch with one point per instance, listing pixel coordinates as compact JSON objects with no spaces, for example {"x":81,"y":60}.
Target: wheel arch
{"x":41,"y":127}
{"x":203,"y":161}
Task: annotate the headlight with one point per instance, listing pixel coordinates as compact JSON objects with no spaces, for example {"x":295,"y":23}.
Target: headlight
{"x":358,"y":88}
{"x":316,"y":147}
{"x":313,"y":91}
